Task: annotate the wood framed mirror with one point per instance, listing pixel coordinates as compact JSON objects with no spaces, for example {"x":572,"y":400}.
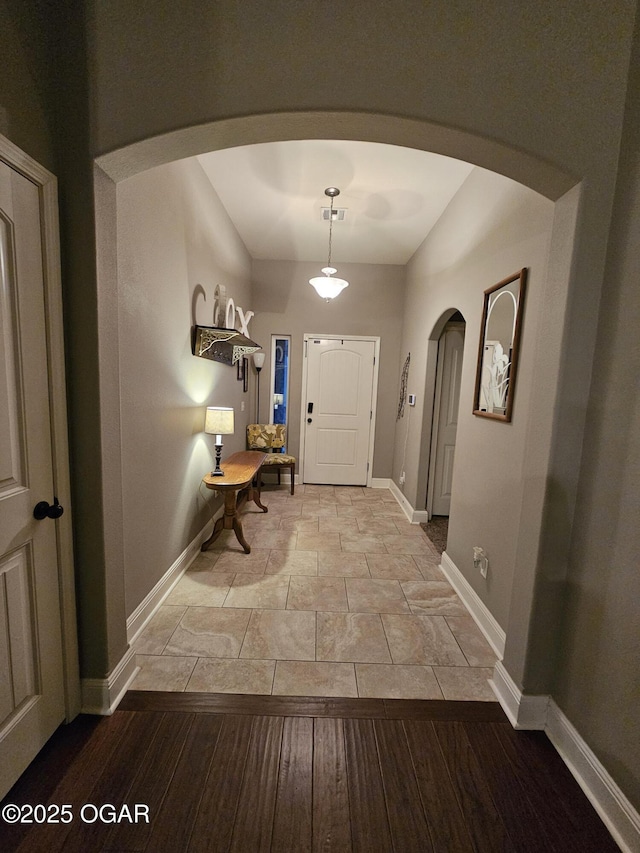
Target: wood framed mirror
{"x":500,"y":333}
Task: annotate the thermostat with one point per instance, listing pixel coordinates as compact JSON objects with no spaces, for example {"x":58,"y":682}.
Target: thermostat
{"x":412,"y":399}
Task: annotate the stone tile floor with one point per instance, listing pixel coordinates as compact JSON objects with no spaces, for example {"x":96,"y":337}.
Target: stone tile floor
{"x":340,"y":596}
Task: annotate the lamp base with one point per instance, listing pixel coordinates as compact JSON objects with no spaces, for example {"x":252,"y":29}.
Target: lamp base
{"x":218,"y":472}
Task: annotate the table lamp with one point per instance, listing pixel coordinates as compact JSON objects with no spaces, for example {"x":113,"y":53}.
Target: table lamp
{"x":218,"y":421}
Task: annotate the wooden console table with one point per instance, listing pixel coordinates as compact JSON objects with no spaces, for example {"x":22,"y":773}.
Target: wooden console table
{"x":237,"y":487}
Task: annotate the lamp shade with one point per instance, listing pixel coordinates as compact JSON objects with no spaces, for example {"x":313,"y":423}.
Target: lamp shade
{"x":218,"y":420}
{"x":327,"y":287}
{"x":258,"y":360}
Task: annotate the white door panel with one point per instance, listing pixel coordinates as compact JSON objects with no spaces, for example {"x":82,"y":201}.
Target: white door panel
{"x":16,"y":592}
{"x":11,"y":434}
{"x":31,"y":667}
{"x":336,"y":446}
{"x":450,"y":353}
{"x":338,"y":410}
{"x":339,"y":390}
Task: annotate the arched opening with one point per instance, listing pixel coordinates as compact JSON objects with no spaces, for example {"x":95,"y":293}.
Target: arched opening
{"x":145,"y":155}
{"x":440,"y":430}
{"x":490,"y":154}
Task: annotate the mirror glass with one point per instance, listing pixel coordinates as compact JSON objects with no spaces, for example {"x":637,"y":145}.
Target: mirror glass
{"x":499,"y":345}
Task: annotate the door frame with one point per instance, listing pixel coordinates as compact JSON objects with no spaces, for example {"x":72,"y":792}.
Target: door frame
{"x":374,"y":396}
{"x":47,"y":185}
{"x":437,"y":405}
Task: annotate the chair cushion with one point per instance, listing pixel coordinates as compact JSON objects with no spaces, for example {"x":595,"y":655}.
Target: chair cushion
{"x":264,"y":436}
{"x":279,"y":459}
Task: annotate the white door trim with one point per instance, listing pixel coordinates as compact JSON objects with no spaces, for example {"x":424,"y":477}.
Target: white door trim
{"x":374,"y":399}
{"x":47,"y":185}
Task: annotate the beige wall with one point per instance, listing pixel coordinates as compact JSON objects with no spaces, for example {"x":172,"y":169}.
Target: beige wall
{"x":285,"y":303}
{"x":25,"y":117}
{"x":173,"y":236}
{"x":167,"y":65}
{"x":474,"y":245}
{"x":598,"y":679}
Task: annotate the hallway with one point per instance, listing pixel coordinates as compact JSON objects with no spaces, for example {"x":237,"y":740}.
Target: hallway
{"x":340,"y":597}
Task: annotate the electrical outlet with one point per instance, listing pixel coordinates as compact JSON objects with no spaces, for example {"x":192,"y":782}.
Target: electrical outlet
{"x":242,"y":406}
{"x":480,"y":560}
{"x":402,"y":479}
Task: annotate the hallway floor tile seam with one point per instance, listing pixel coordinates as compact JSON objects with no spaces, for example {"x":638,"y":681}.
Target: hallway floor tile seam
{"x":253,"y":610}
{"x":368,"y":558}
{"x":357,"y":667}
{"x":467,"y":666}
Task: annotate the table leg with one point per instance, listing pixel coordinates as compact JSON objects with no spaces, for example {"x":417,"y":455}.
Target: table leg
{"x":230,"y":520}
{"x":237,"y":528}
{"x":255,"y":497}
{"x":218,"y":527}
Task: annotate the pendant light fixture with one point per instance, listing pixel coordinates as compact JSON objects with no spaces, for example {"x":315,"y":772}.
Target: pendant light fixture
{"x":328,"y":288}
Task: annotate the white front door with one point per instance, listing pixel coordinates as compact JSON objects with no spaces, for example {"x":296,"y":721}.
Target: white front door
{"x":32,"y":696}
{"x":338,"y":410}
{"x":449,"y":375}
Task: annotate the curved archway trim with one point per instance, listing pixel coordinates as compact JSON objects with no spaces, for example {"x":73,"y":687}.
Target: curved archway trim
{"x":538,"y":175}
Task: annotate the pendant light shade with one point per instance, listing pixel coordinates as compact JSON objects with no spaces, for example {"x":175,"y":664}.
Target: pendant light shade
{"x":326,"y":286}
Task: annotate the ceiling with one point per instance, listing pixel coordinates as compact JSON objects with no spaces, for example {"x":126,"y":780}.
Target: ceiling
{"x":274,"y":193}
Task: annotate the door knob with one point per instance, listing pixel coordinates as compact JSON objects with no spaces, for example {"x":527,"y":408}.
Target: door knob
{"x":309,"y":420}
{"x":45,"y":510}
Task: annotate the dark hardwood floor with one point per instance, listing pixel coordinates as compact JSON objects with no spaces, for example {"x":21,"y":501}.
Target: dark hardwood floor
{"x":243,"y":773}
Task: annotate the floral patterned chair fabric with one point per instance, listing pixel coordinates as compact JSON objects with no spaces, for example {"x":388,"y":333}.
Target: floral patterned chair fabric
{"x":272,"y":439}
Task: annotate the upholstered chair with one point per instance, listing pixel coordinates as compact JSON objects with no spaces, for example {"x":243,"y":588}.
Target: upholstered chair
{"x":272,"y":439}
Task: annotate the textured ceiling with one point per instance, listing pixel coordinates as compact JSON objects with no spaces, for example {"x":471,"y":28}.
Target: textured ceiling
{"x":274,"y":193}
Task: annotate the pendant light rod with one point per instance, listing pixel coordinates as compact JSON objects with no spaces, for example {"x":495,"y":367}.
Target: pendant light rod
{"x":328,"y":288}
{"x":332,"y":192}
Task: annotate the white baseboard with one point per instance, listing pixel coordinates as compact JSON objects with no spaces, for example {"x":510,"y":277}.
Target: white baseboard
{"x":543,"y":714}
{"x":380,"y":482}
{"x":617,"y":813}
{"x":415,"y":516}
{"x":404,"y":503}
{"x":496,"y":637}
{"x":148,"y":606}
{"x":523,"y":711}
{"x":102,"y":695}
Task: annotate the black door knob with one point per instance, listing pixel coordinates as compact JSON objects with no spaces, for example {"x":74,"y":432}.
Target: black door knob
{"x":45,"y":510}
{"x":309,"y":420}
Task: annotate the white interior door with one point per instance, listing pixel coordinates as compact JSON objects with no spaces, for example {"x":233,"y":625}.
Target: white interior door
{"x":449,"y":375}
{"x":338,"y":410}
{"x":32,"y":696}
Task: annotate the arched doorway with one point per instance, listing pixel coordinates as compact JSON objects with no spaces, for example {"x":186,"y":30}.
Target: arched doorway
{"x":445,"y":416}
{"x":148,"y":153}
